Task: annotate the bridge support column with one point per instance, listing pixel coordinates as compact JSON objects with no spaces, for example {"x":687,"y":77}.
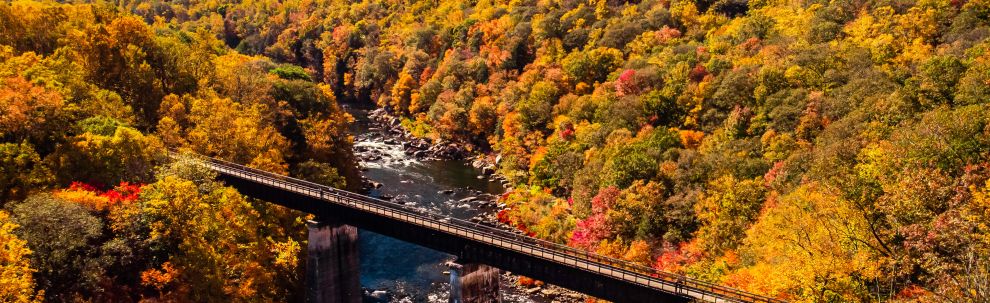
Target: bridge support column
{"x":332,"y":268}
{"x":474,"y":283}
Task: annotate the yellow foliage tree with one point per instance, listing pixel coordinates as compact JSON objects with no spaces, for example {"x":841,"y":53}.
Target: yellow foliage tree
{"x":639,"y":252}
{"x":402,"y":93}
{"x":242,"y":78}
{"x":16,"y":282}
{"x":812,"y":246}
{"x":233,"y":131}
{"x":217,"y":253}
{"x":725,"y":211}
{"x":126,"y":155}
{"x":482,"y":117}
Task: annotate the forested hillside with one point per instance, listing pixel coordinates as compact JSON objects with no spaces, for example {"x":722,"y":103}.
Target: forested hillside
{"x":91,"y":208}
{"x":819,"y":151}
{"x":808,"y":150}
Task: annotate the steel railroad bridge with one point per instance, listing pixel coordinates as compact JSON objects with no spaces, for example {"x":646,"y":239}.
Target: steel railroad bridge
{"x":578,"y":270}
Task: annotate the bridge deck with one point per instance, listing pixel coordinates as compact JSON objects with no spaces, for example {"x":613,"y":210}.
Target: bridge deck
{"x":563,"y":255}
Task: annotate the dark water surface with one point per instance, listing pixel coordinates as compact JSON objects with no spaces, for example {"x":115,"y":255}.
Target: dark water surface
{"x":408,"y":272}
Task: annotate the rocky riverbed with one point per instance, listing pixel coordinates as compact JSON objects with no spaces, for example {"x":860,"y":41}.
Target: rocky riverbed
{"x":440,"y":178}
{"x":394,"y":134}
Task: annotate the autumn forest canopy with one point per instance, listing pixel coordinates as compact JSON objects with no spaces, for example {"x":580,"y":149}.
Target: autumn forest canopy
{"x":807,"y":150}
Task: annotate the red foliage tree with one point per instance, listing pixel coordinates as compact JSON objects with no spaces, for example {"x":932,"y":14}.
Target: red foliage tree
{"x":596,"y":227}
{"x":626,"y":83}
{"x":698,"y":73}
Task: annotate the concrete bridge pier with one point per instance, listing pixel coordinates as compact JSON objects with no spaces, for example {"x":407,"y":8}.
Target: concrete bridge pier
{"x":474,"y":283}
{"x":332,"y":268}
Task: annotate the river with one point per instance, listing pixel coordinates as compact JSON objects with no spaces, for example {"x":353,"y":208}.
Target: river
{"x":408,"y":272}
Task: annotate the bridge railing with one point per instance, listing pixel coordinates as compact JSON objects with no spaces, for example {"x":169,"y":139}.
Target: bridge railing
{"x":539,"y":248}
